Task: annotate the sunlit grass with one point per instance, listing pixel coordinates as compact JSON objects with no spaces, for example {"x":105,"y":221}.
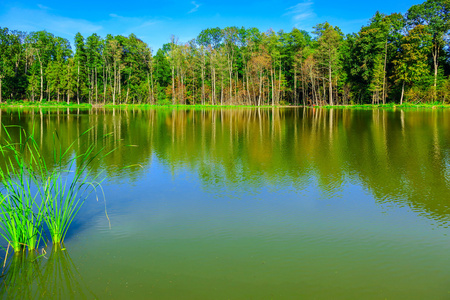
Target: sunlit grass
{"x":35,"y":193}
{"x":390,"y":105}
{"x":21,"y":211}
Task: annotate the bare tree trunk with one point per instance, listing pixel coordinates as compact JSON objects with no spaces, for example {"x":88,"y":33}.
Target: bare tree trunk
{"x":173,"y":84}
{"x":91,"y":85}
{"x":105,"y":82}
{"x":314,"y":92}
{"x":231,"y":74}
{"x":295,"y":83}
{"x":330,"y":87}
{"x":221,"y":90}
{"x":68,"y":86}
{"x":115,"y":83}
{"x":182,"y":87}
{"x":153,"y":91}
{"x":96,"y":86}
{"x":78,"y":83}
{"x":203,"y":84}
{"x":149,"y":89}
{"x":119,"y":82}
{"x":403,"y":91}
{"x":260,"y":87}
{"x":273,"y":86}
{"x":235,"y":87}
{"x":435,"y":53}
{"x":384,"y":73}
{"x":213,"y":99}
{"x":42,"y":79}
{"x":279,"y":85}
{"x":248,"y":88}
{"x":128,"y":89}
{"x":303,"y":85}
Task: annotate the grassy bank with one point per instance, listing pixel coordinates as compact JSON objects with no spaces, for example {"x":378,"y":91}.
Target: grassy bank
{"x":434,"y":105}
{"x":46,"y":104}
{"x":54,"y":104}
{"x":185,"y":106}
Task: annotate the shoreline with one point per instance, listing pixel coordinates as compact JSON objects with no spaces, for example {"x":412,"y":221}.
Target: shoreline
{"x":21,"y":105}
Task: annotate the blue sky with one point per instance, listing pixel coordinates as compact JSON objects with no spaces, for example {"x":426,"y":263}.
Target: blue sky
{"x":155,"y":21}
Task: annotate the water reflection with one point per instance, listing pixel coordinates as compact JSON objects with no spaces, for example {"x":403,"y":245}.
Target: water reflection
{"x":401,"y":157}
{"x":51,"y":276}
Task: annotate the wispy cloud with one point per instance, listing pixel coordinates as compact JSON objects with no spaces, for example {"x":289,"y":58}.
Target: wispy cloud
{"x":195,"y":8}
{"x":43,"y":7}
{"x":302,"y":13}
{"x":130,"y":24}
{"x":43,"y":19}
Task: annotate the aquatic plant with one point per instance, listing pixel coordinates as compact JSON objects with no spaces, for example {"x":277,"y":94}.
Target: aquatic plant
{"x":34,"y":193}
{"x":21,"y":216}
{"x":65,"y":194}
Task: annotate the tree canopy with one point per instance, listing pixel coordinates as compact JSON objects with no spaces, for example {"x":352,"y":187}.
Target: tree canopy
{"x":394,"y":58}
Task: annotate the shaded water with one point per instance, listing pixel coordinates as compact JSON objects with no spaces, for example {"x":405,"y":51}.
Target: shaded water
{"x":251,"y":203}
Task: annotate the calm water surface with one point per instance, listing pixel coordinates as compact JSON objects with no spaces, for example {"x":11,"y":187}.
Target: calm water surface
{"x":251,"y":204}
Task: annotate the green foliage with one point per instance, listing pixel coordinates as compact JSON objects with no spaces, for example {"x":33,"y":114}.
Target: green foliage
{"x":411,"y":65}
{"x":236,"y":66}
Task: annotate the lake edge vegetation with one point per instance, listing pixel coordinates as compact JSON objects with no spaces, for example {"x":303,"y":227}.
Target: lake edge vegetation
{"x":394,"y":59}
{"x":39,"y":199}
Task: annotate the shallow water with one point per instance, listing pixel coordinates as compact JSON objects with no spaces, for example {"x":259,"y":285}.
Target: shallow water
{"x":251,"y":204}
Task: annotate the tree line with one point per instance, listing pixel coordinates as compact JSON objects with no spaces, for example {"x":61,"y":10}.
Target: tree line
{"x":395,"y":58}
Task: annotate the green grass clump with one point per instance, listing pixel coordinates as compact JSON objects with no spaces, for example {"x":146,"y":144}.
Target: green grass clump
{"x":390,"y":105}
{"x":64,"y":195}
{"x":44,"y":103}
{"x":35,"y":195}
{"x":21,"y":217}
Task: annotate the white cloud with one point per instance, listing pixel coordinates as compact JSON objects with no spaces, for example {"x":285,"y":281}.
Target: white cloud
{"x":45,"y":19}
{"x":130,"y":24}
{"x":41,"y":19}
{"x":195,"y":8}
{"x":43,"y":7}
{"x":302,"y":13}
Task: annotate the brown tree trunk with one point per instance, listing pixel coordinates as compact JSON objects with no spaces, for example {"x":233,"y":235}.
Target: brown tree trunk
{"x":42,"y":80}
{"x":279,"y":85}
{"x":173,"y":85}
{"x":151,"y":81}
{"x":330,"y":85}
{"x":295,"y":83}
{"x":435,"y":53}
{"x":384,"y":73}
{"x":203,"y":84}
{"x":115,"y":83}
{"x":403,"y":92}
{"x":96,"y":86}
{"x":231,"y":74}
{"x":273,"y":86}
{"x":105,"y":82}
{"x":78,"y":83}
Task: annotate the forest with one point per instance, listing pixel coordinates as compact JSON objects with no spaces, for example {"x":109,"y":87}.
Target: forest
{"x":393,"y":59}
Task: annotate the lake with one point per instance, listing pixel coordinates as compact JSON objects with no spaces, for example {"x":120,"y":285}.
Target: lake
{"x":270,"y":203}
